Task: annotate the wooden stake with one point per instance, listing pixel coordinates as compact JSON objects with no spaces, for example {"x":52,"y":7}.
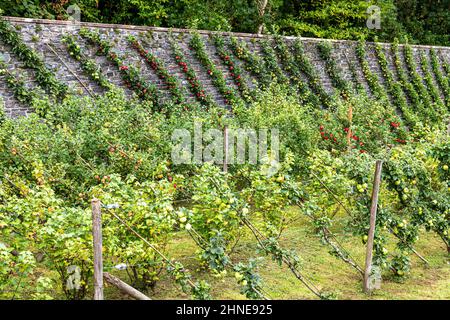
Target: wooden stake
{"x":350,"y":121}
{"x":98,"y":260}
{"x":373,"y":217}
{"x":225,"y":149}
{"x":125,"y":288}
{"x":88,"y":90}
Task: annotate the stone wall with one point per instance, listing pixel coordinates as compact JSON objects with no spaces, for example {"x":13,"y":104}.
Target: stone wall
{"x":39,"y":34}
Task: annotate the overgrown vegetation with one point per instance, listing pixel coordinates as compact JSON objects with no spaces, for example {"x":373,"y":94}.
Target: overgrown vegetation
{"x":120,"y":153}
{"x":119,"y":149}
{"x":425,"y":22}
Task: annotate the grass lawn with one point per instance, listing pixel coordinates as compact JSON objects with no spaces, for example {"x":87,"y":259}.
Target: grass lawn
{"x":326,"y":271}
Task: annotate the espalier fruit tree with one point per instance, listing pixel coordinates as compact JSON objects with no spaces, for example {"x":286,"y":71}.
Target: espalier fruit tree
{"x":117,"y":148}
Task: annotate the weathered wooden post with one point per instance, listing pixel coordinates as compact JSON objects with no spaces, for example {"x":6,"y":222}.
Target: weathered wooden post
{"x":225,"y":149}
{"x":98,"y":260}
{"x":350,"y":123}
{"x":125,"y":288}
{"x":373,"y":217}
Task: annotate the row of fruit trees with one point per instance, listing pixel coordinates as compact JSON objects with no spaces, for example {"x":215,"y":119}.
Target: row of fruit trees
{"x":118,"y":150}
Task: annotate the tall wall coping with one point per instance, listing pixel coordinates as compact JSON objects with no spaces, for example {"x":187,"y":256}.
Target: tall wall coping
{"x":179,"y":30}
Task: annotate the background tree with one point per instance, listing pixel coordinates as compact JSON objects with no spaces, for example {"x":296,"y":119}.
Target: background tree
{"x":422,"y":21}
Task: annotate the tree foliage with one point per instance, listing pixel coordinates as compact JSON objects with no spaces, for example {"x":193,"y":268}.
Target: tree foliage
{"x":425,"y":22}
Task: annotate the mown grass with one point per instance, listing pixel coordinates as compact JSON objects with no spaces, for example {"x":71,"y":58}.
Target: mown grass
{"x":326,"y":271}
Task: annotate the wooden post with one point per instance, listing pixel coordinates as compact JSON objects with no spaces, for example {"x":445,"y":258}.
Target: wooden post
{"x":225,"y":149}
{"x":88,"y":90}
{"x":98,"y":260}
{"x":373,"y":217}
{"x":125,"y":288}
{"x":350,"y":122}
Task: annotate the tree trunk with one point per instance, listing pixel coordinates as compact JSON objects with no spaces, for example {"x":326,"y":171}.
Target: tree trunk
{"x":262,"y":5}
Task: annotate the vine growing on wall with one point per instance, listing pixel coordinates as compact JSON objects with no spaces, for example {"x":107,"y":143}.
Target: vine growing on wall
{"x":288,"y":62}
{"x":359,"y":87}
{"x":394,"y":88}
{"x":24,"y":94}
{"x":45,"y":77}
{"x":446,"y":67}
{"x":158,"y":66}
{"x":333,"y":70}
{"x":371,"y":78}
{"x":253,"y":63}
{"x":17,"y":85}
{"x":89,"y":66}
{"x":271,"y":62}
{"x":130,"y":74}
{"x":432,"y":89}
{"x":2,"y":111}
{"x":444,"y":83}
{"x":310,"y":71}
{"x":195,"y":84}
{"x":229,"y":94}
{"x":411,"y":65}
{"x":240,"y":80}
{"x":408,"y":87}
